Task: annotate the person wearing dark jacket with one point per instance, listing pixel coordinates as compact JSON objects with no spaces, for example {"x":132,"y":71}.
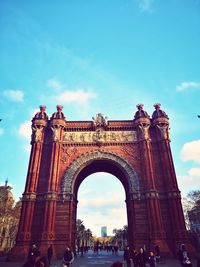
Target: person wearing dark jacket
{"x":141,"y":258}
{"x":127,"y":256}
{"x":68,"y":257}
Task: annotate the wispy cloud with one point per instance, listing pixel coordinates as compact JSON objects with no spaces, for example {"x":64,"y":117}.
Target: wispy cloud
{"x":24,"y":130}
{"x":80,"y":96}
{"x":103,"y":211}
{"x":95,"y":219}
{"x":77,"y":96}
{"x":189,"y":182}
{"x":191,"y":151}
{"x":194,"y":172}
{"x":1,"y":131}
{"x":54,"y":84}
{"x":14,"y":95}
{"x":188,"y":85}
{"x":145,"y":5}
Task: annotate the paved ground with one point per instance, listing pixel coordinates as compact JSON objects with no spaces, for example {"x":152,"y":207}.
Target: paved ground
{"x":104,"y":259}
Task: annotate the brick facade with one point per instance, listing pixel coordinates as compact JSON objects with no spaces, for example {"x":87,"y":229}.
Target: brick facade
{"x":65,"y":152}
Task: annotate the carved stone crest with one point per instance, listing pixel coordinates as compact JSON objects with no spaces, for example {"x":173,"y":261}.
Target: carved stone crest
{"x":100,"y":120}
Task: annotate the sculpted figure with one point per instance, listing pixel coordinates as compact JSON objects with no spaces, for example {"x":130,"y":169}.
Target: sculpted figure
{"x":37,"y":134}
{"x":99,"y":120}
{"x":144,"y":129}
{"x":55,"y":131}
{"x":163,"y":130}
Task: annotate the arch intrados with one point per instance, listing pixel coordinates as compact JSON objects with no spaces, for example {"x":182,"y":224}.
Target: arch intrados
{"x":99,"y":160}
{"x":101,"y":165}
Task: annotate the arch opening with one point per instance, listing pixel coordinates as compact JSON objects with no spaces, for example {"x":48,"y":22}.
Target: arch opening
{"x":96,"y":161}
{"x":101,"y":202}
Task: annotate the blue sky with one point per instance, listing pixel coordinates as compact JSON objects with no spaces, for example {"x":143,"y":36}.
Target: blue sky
{"x":99,"y":56}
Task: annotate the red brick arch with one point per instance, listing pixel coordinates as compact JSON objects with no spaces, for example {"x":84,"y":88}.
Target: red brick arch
{"x":65,"y":152}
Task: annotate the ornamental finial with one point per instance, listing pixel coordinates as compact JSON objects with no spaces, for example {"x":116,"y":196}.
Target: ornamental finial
{"x":59,"y":108}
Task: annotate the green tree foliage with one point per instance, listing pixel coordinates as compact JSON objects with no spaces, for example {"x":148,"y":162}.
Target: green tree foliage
{"x":83,"y":236}
{"x":120,"y":236}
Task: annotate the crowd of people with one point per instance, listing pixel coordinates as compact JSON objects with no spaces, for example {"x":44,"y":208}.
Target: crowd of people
{"x":131,"y":257}
{"x":36,"y":260}
{"x":140,"y":258}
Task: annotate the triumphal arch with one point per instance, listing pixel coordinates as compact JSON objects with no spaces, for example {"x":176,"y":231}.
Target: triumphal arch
{"x":65,"y":152}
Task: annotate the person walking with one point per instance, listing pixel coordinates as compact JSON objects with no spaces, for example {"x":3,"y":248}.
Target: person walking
{"x":68,"y":257}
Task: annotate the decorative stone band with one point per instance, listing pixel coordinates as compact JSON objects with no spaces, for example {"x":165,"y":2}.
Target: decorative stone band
{"x":50,"y":196}
{"x":24,"y":236}
{"x":40,"y":122}
{"x":100,"y":136}
{"x":151,"y":194}
{"x":68,"y":197}
{"x":174,"y":194}
{"x":134,"y":196}
{"x":58,"y":122}
{"x":29,"y":196}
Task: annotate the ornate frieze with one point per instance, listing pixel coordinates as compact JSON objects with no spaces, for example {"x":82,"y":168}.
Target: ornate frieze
{"x":100,"y":135}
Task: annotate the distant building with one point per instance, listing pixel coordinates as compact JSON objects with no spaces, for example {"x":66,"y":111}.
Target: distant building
{"x":104,"y":231}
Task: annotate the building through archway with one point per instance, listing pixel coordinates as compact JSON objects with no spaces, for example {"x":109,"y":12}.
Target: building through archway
{"x":65,"y":152}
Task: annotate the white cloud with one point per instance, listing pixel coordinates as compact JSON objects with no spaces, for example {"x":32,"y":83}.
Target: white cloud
{"x":14,"y":95}
{"x":194,"y":172}
{"x":1,"y":131}
{"x":24,"y":130}
{"x":54,"y":83}
{"x":191,"y":151}
{"x":109,"y":217}
{"x":189,"y":182}
{"x":187,"y":85}
{"x":97,"y":211}
{"x":80,"y":96}
{"x":145,"y":5}
{"x":113,"y":199}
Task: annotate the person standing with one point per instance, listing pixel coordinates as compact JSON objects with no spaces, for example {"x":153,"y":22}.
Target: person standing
{"x":127,"y":256}
{"x":141,"y":258}
{"x":135,"y":258}
{"x":68,"y":257}
{"x":49,"y":253}
{"x":152,"y":259}
{"x":184,"y":257}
